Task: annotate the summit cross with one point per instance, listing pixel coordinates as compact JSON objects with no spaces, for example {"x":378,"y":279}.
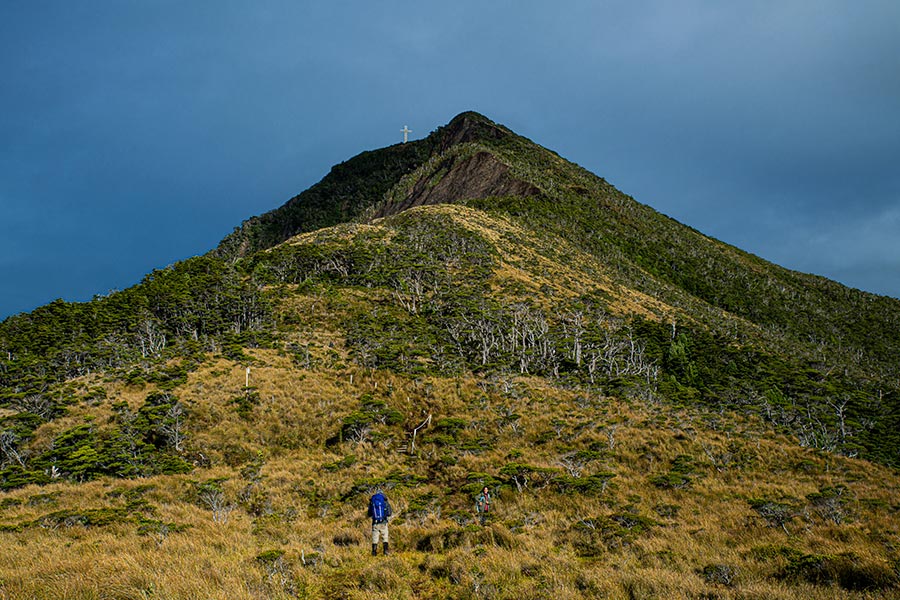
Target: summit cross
{"x":405,"y":131}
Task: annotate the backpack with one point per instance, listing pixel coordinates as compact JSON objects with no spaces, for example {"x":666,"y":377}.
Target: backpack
{"x":379,"y":509}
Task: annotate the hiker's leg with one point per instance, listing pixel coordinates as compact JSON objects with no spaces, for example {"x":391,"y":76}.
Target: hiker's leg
{"x":375,"y":536}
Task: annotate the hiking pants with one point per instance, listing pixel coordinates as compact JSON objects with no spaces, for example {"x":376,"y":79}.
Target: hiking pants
{"x":380,"y":530}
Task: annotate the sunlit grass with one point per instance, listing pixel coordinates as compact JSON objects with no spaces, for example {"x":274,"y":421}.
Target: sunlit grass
{"x":703,"y":539}
{"x":284,"y":513}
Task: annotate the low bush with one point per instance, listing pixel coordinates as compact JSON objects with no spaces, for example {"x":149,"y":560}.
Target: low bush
{"x":845,"y":570}
{"x":719,"y":574}
{"x":776,"y":513}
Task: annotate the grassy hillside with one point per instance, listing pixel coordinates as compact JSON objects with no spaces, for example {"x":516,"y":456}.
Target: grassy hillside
{"x":843,"y":341}
{"x":657,"y":414}
{"x":603,"y":485}
{"x":594,"y":496}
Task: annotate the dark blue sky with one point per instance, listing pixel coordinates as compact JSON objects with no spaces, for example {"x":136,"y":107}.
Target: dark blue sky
{"x":136,"y":133}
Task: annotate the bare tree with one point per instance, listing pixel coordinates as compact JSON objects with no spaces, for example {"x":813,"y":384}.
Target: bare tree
{"x":36,"y":404}
{"x":151,"y":337}
{"x":611,"y":436}
{"x":844,"y":431}
{"x":572,"y":463}
{"x":214,"y":499}
{"x":8,"y":448}
{"x":173,"y":426}
{"x":574,"y":327}
{"x":409,"y":289}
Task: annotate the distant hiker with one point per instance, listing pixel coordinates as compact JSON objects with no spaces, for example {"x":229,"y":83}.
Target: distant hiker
{"x":379,"y":511}
{"x":483,"y":504}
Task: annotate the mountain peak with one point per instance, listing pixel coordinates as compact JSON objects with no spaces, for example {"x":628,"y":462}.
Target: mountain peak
{"x":453,"y":175}
{"x":360,"y":184}
{"x":469,"y":126}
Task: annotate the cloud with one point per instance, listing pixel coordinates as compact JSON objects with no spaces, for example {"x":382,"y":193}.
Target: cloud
{"x":167,"y":123}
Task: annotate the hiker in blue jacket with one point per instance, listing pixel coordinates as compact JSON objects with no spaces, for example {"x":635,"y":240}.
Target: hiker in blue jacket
{"x":379,"y":511}
{"x":483,"y":504}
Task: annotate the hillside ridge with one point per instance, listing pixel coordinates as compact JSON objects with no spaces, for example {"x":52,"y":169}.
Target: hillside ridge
{"x":656,"y":413}
{"x":353,"y":187}
{"x":842,"y":341}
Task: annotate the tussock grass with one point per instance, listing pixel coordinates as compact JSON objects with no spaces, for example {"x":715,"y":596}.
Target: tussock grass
{"x":275,"y":506}
{"x":612,"y":489}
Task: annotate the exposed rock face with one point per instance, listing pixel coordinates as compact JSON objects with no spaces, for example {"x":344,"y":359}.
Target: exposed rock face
{"x":354,"y":187}
{"x":479,"y":176}
{"x":470,"y":127}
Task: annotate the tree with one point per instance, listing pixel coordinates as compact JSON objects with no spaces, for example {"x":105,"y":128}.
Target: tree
{"x":8,"y":447}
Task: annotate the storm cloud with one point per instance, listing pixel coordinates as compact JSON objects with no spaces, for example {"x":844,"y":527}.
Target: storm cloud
{"x":135,"y":134}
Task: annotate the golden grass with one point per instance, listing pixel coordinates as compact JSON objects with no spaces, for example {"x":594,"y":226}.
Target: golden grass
{"x":539,"y":543}
{"x":530,"y":262}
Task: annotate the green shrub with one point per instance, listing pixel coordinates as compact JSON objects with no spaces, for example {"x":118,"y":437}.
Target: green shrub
{"x":92,"y":517}
{"x":593,"y":536}
{"x":450,"y":425}
{"x":358,"y":425}
{"x":831,"y":503}
{"x":523,"y":476}
{"x":592,"y":485}
{"x":475,"y":482}
{"x":719,"y":574}
{"x":9,"y":503}
{"x":269,"y":556}
{"x":396,"y":479}
{"x":667,"y":511}
{"x":16,"y":476}
{"x":344,"y":463}
{"x":775,"y":513}
{"x":246,"y":402}
{"x":157,"y":528}
{"x":845,"y":570}
{"x":681,"y":474}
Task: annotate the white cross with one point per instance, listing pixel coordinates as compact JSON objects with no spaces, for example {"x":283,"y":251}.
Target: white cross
{"x":405,"y":131}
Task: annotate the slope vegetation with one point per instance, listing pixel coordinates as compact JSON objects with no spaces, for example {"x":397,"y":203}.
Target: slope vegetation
{"x":656,"y":413}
